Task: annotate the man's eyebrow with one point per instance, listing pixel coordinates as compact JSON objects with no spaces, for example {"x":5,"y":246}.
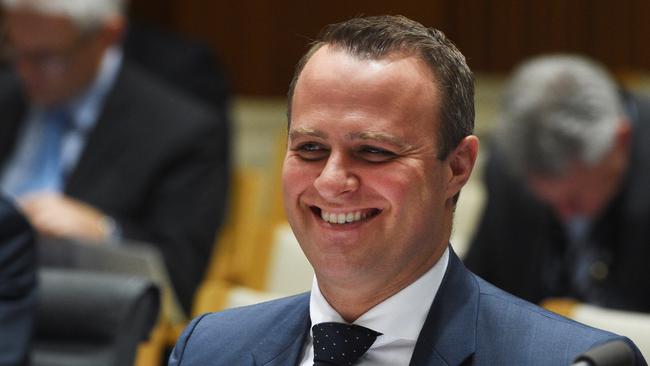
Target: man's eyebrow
{"x":381,"y":137}
{"x":303,"y":131}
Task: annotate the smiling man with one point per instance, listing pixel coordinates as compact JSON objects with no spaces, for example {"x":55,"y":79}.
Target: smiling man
{"x":380,"y":145}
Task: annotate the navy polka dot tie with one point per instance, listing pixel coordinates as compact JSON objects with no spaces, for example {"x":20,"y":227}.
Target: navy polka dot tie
{"x":341,"y":344}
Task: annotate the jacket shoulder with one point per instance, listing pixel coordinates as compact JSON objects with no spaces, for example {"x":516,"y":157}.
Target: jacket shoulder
{"x":514,"y":331}
{"x":230,"y":336}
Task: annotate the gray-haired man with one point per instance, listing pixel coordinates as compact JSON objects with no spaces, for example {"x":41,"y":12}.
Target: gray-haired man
{"x":568,"y":203}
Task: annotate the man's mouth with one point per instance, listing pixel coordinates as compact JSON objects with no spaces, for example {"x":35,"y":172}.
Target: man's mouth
{"x":340,"y":218}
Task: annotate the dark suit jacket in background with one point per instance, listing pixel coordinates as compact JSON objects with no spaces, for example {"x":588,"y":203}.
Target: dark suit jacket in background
{"x":17,"y":285}
{"x":156,"y":161}
{"x":521,"y":247}
{"x":470,"y":322}
{"x":185,"y":63}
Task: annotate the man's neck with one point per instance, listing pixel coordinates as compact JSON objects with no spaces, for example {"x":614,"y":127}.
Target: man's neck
{"x":354,"y":298}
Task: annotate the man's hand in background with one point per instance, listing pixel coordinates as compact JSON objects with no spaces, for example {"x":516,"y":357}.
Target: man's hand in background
{"x":56,"y":215}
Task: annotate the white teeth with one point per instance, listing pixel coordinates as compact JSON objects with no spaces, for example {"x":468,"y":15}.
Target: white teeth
{"x":325,"y":216}
{"x":342,"y":218}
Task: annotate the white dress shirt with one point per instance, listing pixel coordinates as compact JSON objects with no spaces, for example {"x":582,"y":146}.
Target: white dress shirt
{"x":399,"y":318}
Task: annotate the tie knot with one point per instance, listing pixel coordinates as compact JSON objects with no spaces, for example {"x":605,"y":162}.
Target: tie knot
{"x":341,"y":344}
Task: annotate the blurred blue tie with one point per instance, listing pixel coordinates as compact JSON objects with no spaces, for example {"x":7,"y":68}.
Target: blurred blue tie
{"x":45,"y":171}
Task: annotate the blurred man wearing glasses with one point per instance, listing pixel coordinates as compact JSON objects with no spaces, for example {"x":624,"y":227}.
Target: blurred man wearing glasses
{"x":93,"y":147}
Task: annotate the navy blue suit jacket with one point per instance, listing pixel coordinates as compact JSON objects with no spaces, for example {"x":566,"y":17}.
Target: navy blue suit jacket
{"x":17,"y":285}
{"x":470,"y":323}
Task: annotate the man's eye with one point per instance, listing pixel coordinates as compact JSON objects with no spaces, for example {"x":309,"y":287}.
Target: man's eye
{"x":375,"y":154}
{"x":310,"y":147}
{"x":311,"y":151}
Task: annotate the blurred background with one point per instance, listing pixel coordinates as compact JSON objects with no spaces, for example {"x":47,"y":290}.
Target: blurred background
{"x":260,"y":41}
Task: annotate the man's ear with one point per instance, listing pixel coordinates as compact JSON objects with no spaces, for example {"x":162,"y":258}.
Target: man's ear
{"x":461,"y":163}
{"x":113,"y":30}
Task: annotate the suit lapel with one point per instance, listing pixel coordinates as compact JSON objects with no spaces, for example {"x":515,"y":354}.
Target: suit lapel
{"x":283,"y":343}
{"x":106,"y":139}
{"x":448,"y":336}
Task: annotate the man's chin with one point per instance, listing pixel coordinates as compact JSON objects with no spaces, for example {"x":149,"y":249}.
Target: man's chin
{"x":42,"y":101}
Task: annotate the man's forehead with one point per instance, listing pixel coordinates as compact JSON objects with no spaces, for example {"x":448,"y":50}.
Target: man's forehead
{"x":329,"y":59}
{"x":333,"y":72}
{"x":392,"y":93}
{"x":34,"y":28}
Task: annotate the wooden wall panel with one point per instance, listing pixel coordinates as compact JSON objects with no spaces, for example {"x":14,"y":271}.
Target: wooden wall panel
{"x":640,"y":35}
{"x":259,"y":41}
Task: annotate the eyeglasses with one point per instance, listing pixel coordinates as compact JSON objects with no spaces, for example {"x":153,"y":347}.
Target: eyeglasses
{"x":49,"y":62}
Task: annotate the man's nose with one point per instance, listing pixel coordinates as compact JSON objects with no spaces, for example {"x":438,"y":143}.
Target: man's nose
{"x":336,"y":178}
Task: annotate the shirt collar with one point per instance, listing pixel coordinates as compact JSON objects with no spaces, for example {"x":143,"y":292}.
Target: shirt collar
{"x":401,"y":316}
